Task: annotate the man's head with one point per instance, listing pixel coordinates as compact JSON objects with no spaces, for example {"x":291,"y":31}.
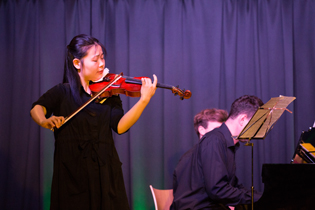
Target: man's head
{"x":208,"y":119}
{"x":241,"y":112}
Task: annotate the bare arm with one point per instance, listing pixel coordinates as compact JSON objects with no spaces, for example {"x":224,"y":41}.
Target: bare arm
{"x":38,"y":114}
{"x":131,"y":117}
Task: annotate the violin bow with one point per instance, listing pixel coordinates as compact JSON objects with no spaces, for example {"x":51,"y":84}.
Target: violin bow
{"x":117,"y":77}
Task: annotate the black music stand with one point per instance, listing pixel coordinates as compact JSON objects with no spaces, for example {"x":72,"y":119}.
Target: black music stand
{"x":261,"y":123}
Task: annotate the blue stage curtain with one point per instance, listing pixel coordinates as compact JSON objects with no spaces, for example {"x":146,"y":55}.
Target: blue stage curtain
{"x":219,"y":50}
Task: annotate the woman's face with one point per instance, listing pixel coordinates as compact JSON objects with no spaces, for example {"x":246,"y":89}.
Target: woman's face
{"x":92,"y":65}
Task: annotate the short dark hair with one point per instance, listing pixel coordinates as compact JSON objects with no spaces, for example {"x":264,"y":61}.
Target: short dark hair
{"x":209,"y":115}
{"x":245,"y":105}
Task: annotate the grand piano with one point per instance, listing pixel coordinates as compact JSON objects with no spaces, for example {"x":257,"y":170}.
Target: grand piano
{"x":287,"y":187}
{"x":291,"y":186}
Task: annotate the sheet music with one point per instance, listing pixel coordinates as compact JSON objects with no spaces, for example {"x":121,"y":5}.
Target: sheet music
{"x":265,"y":118}
{"x":278,"y":102}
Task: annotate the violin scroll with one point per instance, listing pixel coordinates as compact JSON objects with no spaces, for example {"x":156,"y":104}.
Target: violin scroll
{"x":183,"y":94}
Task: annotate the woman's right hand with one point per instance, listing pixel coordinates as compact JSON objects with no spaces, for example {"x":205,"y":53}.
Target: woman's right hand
{"x":52,"y":122}
{"x":38,"y":114}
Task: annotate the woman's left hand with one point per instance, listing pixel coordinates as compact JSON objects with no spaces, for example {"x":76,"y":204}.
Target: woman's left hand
{"x":147,"y":91}
{"x":148,"y":88}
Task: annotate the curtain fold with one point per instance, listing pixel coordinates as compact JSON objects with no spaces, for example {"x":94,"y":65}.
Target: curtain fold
{"x":219,"y":50}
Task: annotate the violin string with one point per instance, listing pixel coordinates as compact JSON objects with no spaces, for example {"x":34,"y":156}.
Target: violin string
{"x":138,"y":81}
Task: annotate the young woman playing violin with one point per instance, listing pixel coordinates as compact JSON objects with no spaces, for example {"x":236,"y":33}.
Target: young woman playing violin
{"x":87,"y":170}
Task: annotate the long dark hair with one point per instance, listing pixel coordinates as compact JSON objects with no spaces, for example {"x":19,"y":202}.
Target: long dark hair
{"x":77,"y":48}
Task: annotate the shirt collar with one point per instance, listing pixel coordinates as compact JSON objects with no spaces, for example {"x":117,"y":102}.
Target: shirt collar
{"x":228,"y":136}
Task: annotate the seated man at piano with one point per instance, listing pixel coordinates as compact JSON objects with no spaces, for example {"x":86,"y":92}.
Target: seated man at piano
{"x":206,"y":178}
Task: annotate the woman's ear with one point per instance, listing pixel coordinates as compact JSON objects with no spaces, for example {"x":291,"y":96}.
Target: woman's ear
{"x":76,"y":63}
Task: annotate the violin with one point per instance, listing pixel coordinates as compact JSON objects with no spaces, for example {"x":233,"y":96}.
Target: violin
{"x":129,"y":86}
{"x":117,"y":84}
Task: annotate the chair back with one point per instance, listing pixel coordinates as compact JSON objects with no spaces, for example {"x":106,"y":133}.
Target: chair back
{"x":162,"y":198}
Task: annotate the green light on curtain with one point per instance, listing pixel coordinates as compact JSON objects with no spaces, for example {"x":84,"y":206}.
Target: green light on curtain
{"x":139,"y":187}
{"x":139,"y":198}
{"x":47,"y":167}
